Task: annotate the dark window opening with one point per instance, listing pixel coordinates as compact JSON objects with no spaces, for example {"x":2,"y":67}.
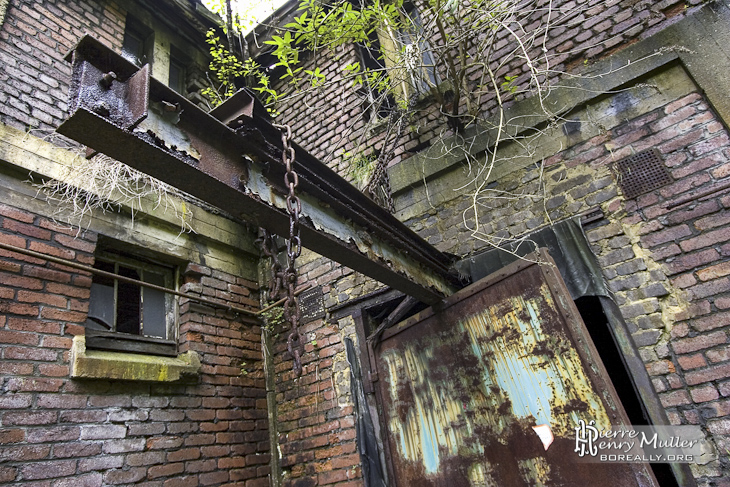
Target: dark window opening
{"x":379,"y":103}
{"x":597,"y":324}
{"x":178,"y":71}
{"x":121,"y":312}
{"x":138,"y":42}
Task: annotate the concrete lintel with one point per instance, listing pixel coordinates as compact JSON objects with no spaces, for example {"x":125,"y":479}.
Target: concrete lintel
{"x":225,"y":244}
{"x":695,"y":42}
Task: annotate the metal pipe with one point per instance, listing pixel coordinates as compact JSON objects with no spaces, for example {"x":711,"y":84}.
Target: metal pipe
{"x":93,"y":270}
{"x":281,"y":301}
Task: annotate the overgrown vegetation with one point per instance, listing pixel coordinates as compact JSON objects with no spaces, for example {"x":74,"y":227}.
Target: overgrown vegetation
{"x":437,"y":66}
{"x":103,"y":184}
{"x":450,"y":50}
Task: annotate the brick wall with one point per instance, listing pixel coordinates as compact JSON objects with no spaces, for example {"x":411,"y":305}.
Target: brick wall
{"x":337,"y":128}
{"x":666,"y":266}
{"x":315,"y":419}
{"x":33,"y":40}
{"x":207,"y":430}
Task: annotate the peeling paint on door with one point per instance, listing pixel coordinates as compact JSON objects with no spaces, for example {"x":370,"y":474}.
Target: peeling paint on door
{"x":463,"y":388}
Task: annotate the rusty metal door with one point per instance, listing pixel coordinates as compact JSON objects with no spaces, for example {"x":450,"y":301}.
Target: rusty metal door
{"x":472,"y":392}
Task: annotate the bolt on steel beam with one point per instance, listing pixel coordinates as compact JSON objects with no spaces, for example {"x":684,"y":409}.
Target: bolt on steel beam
{"x":231,"y":158}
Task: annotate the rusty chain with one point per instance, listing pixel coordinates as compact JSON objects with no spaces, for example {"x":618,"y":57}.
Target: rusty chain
{"x":379,"y":178}
{"x":292,"y":312}
{"x":270,"y":249}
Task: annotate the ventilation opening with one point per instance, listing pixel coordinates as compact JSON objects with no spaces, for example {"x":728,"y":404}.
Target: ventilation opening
{"x":597,"y":324}
{"x":641,"y":173}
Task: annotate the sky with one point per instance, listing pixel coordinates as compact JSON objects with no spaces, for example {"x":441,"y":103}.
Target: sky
{"x":250,"y":11}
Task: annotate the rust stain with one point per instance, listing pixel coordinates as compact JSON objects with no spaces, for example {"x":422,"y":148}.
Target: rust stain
{"x":463,"y":393}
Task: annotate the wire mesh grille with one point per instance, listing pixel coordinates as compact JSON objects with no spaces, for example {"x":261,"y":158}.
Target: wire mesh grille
{"x":641,"y":173}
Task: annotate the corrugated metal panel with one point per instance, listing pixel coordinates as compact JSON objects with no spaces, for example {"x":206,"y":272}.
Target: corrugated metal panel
{"x":464,"y":389}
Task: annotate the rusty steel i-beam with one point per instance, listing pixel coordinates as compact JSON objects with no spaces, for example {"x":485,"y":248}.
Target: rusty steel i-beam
{"x":231,"y":158}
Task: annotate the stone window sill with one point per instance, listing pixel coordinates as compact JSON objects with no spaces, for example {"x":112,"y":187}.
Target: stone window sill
{"x":102,"y":364}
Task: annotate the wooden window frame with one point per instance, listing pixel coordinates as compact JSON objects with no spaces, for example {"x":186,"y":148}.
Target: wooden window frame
{"x":114,"y":340}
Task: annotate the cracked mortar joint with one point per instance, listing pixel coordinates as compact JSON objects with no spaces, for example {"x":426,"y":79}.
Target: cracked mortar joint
{"x":101,"y":364}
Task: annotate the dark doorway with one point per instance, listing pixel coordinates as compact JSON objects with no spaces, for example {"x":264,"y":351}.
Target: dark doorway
{"x":591,"y":311}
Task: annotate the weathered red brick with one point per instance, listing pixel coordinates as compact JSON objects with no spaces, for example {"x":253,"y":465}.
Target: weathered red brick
{"x":691,"y":261}
{"x":183,"y":454}
{"x":50,"y":341}
{"x":61,"y":401}
{"x":126,"y":476}
{"x":25,"y":453}
{"x":75,"y":243}
{"x":688,"y":362}
{"x":63,"y":315}
{"x":16,"y":368}
{"x":47,"y":274}
{"x":712,"y":221}
{"x":8,"y":474}
{"x":706,"y":239}
{"x":215,"y":451}
{"x":715,"y":320}
{"x":700,"y":342}
{"x":704,"y":394}
{"x":705,"y":289}
{"x":30,"y":353}
{"x":19,"y":309}
{"x":35,"y":326}
{"x":103,"y":431}
{"x":29,"y":418}
{"x":197,"y":466}
{"x":27,"y":283}
{"x":19,"y":338}
{"x":710,"y":144}
{"x":333,"y":476}
{"x":42,"y":298}
{"x":214,"y":478}
{"x":48,"y":470}
{"x":67,"y":290}
{"x":26,"y":229}
{"x":709,"y":374}
{"x":10,"y":267}
{"x":16,"y":214}
{"x":674,"y":398}
{"x":719,"y":355}
{"x":202,"y":439}
{"x":166,"y":470}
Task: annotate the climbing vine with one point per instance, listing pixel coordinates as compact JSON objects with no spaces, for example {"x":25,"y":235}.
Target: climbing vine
{"x":447,"y":68}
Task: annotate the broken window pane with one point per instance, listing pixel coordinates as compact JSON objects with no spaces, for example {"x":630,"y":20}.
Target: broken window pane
{"x":130,"y":309}
{"x":154,"y":315}
{"x":128,"y":303}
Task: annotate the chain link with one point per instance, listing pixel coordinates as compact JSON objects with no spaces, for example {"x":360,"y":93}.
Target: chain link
{"x":379,"y":179}
{"x":292,"y":312}
{"x":268,"y":245}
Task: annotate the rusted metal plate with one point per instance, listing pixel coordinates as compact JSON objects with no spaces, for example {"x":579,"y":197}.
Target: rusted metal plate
{"x":641,"y":173}
{"x":311,"y":302}
{"x":231,"y":159}
{"x":465,"y":389}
